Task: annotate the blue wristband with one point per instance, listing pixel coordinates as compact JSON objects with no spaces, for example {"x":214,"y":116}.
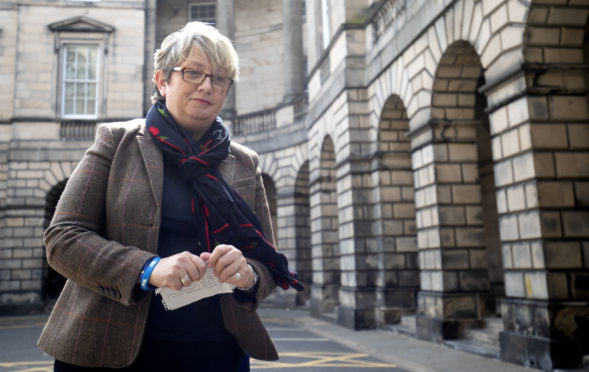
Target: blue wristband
{"x":146,"y":273}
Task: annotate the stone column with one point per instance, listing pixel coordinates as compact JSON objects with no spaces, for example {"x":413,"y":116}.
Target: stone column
{"x":542,"y":172}
{"x":294,"y":75}
{"x":149,"y":50}
{"x":357,"y":294}
{"x":226,"y":25}
{"x":454,"y":281}
{"x":541,"y":152}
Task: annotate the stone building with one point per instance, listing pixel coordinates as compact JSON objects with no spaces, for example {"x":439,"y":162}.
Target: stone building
{"x":425,"y":161}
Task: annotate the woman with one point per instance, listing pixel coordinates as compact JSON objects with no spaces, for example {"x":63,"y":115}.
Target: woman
{"x":154,"y":203}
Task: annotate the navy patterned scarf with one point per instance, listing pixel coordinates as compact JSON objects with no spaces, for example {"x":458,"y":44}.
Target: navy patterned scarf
{"x":227,"y":217}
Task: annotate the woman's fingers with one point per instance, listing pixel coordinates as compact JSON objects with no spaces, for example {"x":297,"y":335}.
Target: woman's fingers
{"x":200,"y":265}
{"x":227,"y":262}
{"x":177,"y":271}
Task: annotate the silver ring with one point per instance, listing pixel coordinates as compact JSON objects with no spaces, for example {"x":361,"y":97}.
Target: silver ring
{"x":185,"y":279}
{"x":237,"y":276}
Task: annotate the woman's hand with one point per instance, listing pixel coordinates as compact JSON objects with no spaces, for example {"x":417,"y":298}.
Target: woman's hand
{"x":178,"y":271}
{"x":227,"y":261}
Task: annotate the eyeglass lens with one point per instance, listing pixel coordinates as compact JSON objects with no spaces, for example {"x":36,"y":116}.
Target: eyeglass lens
{"x":198,"y":77}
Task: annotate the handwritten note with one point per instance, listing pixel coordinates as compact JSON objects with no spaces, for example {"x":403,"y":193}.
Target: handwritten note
{"x":207,"y":286}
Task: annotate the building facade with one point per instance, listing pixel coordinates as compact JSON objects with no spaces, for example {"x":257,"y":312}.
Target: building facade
{"x":424,"y":160}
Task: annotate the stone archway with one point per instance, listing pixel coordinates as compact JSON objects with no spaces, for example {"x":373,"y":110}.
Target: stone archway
{"x":455,"y":199}
{"x":325,"y":235}
{"x":394,"y":222}
{"x":270,"y":188}
{"x":53,"y":282}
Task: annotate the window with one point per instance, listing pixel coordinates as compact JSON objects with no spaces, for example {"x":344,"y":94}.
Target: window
{"x":80,"y":81}
{"x":325,"y":29}
{"x":203,"y":11}
{"x":81,"y":51}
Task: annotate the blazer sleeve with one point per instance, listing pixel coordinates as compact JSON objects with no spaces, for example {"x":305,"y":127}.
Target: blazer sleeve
{"x":75,"y":243}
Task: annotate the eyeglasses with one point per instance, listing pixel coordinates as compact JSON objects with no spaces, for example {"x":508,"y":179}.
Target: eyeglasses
{"x":195,"y":76}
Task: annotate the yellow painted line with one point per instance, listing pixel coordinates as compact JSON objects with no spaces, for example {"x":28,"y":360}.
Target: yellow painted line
{"x":321,"y":359}
{"x":277,"y":320}
{"x":36,"y":369}
{"x":30,"y":325}
{"x":18,"y":364}
{"x":307,"y":359}
{"x":46,"y":366}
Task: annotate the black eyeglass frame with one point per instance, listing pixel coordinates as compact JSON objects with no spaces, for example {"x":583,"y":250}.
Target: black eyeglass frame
{"x":182,"y":69}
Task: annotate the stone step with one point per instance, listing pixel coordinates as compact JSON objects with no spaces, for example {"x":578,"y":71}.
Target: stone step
{"x":329,"y":317}
{"x":495,"y":324}
{"x":489,"y":334}
{"x":474,"y":347}
{"x":409,"y":321}
{"x":482,"y":335}
{"x":406,"y":326}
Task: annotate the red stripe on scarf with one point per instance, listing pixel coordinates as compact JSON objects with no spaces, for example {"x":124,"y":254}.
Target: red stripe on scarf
{"x":212,"y":177}
{"x":169,"y":144}
{"x":200,"y":160}
{"x":221,"y":228}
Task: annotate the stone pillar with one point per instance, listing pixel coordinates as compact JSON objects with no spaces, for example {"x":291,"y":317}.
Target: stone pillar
{"x":542,"y":176}
{"x":450,"y":234}
{"x":226,"y":25}
{"x":359,"y":272}
{"x":149,"y":50}
{"x":294,"y":75}
{"x":541,"y":153}
{"x":359,"y":268}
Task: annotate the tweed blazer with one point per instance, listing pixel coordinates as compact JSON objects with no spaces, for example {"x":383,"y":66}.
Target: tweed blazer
{"x":106,"y":226}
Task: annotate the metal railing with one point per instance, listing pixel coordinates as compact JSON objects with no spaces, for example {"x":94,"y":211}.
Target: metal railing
{"x":255,"y":122}
{"x":77,"y":130}
{"x":265,"y":120}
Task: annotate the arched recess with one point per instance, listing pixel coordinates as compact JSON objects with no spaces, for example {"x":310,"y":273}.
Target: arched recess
{"x":459,"y":246}
{"x":53,"y":282}
{"x":325,"y":235}
{"x":394,"y":211}
{"x":270,"y":188}
{"x":460,"y":107}
{"x":303,"y":262}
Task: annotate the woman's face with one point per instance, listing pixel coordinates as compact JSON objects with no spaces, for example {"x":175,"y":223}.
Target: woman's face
{"x":193,"y":106}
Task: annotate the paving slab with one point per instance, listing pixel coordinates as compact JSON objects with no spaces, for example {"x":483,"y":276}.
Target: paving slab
{"x":402,"y":350}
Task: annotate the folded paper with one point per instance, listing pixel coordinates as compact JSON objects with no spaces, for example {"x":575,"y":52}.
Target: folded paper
{"x":207,"y":286}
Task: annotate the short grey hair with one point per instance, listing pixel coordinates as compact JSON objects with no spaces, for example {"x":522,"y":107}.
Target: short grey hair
{"x":177,"y":46}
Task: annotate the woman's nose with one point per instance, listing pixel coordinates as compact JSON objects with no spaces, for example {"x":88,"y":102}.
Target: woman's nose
{"x":207,"y":83}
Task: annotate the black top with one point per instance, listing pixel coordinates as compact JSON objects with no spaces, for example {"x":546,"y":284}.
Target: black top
{"x":182,"y":229}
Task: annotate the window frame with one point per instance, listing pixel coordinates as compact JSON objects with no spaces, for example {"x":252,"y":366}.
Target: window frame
{"x":63,"y":80}
{"x":202,"y":3}
{"x":81,"y":30}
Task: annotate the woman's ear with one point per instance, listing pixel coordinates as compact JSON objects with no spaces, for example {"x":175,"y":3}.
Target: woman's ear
{"x":160,"y":81}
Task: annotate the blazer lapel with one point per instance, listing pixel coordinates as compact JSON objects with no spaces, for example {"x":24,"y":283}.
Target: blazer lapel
{"x":154,"y":163}
{"x":227,"y":168}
